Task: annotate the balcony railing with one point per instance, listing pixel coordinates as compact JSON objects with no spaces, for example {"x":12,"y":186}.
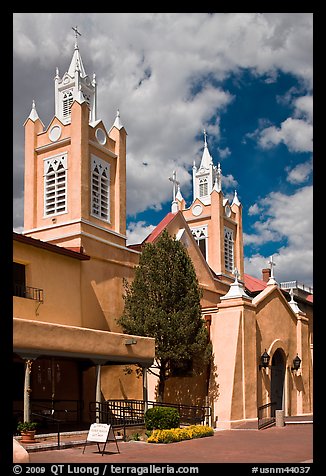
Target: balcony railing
{"x":28,"y":292}
{"x":296,"y":285}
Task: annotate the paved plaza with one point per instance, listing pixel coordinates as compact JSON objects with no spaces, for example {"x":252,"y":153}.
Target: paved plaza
{"x":288,"y":444}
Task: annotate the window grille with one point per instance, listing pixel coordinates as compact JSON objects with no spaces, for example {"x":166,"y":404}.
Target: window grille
{"x":228,"y":249}
{"x":55,"y":185}
{"x":100,"y":189}
{"x":200,"y":235}
{"x":203,"y":187}
{"x":67,"y":103}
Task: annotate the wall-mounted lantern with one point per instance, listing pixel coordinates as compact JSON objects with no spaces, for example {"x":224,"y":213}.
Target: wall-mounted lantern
{"x":296,"y":363}
{"x":130,"y":342}
{"x":264,"y":360}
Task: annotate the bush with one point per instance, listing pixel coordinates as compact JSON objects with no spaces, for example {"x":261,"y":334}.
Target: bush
{"x":179,"y":434}
{"x":162,"y":418}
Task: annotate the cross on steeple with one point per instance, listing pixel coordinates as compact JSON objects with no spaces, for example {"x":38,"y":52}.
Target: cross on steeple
{"x":173,"y":179}
{"x":76,"y":35}
{"x":272,"y":264}
{"x":205,"y":137}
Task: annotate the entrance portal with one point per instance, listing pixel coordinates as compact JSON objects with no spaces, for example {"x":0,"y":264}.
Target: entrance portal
{"x":277,"y":380}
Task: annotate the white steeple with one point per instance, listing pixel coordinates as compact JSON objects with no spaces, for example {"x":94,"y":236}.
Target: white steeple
{"x":203,"y":178}
{"x":74,"y":85}
{"x":206,"y":159}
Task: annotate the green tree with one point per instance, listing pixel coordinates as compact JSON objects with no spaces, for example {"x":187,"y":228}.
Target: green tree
{"x":163,"y":301}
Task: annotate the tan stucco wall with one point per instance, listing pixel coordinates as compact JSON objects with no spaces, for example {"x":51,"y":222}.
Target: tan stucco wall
{"x":279,"y":327}
{"x":58,"y":276}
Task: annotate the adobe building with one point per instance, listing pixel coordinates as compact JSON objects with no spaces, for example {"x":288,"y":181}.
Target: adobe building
{"x":245,"y":316}
{"x":71,"y":260}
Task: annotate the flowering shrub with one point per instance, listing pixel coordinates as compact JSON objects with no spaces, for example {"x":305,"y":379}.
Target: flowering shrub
{"x":179,"y":434}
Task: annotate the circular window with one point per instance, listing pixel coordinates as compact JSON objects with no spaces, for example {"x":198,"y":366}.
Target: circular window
{"x":100,"y":136}
{"x":55,"y":133}
{"x":227,"y":211}
{"x":196,"y":211}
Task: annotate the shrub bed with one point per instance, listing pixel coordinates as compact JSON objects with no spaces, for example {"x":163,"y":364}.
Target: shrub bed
{"x":162,"y":418}
{"x":179,"y":434}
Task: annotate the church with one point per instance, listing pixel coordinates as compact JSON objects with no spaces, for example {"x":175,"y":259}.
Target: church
{"x":71,"y":261}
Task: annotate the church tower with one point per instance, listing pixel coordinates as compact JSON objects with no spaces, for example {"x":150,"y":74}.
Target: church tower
{"x":216,"y":224}
{"x":75,"y":169}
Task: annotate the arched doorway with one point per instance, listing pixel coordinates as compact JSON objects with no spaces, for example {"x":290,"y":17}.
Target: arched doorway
{"x":277,"y":380}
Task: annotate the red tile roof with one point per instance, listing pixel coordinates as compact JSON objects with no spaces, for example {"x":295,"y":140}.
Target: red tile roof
{"x":254,"y":284}
{"x":310,"y":298}
{"x":160,"y":227}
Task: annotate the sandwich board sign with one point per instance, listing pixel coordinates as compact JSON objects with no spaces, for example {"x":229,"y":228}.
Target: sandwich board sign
{"x":100,"y":433}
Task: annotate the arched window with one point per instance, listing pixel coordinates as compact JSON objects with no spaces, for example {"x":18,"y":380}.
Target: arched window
{"x":55,"y":185}
{"x":100,"y":189}
{"x":67,"y":103}
{"x":228,"y":249}
{"x":203,"y":187}
{"x":200,"y":235}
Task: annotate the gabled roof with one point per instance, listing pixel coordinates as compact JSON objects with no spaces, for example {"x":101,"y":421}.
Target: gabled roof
{"x":160,"y":227}
{"x":254,"y":284}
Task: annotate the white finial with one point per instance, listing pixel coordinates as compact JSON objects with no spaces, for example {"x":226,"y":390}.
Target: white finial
{"x":117,"y":122}
{"x":272,"y":264}
{"x":56,"y":73}
{"x":205,"y":138}
{"x":33,"y":114}
{"x":292,"y":303}
{"x":235,"y":200}
{"x":236,"y":289}
{"x":236,"y":275}
{"x":76,"y":36}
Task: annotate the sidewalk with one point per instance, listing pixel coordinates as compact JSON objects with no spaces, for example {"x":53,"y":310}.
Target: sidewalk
{"x":288,"y":444}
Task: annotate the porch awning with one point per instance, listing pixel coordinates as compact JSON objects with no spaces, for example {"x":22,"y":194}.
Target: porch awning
{"x":36,"y":338}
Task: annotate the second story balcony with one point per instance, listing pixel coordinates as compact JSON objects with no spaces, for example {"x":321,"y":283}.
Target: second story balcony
{"x":28,"y":292}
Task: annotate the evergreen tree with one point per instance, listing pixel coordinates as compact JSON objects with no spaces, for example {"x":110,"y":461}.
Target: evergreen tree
{"x":163,"y":301}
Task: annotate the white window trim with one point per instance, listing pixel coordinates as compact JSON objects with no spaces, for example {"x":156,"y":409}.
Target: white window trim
{"x":96,"y":161}
{"x":196,"y":232}
{"x":47,"y":162}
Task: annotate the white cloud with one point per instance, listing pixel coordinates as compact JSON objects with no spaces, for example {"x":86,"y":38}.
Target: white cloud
{"x":137,"y":232}
{"x":300,"y":173}
{"x":150,"y":66}
{"x":296,"y":134}
{"x":254,"y":209}
{"x":223,"y":153}
{"x":288,"y":217}
{"x":304,"y":107}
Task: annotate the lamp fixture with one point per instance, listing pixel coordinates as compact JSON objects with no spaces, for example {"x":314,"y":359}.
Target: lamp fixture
{"x":264,"y":360}
{"x":296,"y":363}
{"x":130,"y":341}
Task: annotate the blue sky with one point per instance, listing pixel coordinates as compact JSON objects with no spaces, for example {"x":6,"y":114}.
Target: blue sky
{"x":246,"y":78}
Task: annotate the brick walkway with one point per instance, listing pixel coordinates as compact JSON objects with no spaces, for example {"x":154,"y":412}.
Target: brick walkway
{"x":288,"y":444}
